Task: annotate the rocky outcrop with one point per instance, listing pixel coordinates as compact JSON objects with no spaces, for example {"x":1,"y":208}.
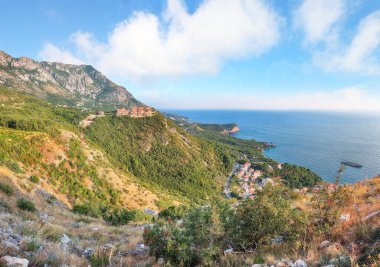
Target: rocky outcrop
{"x":65,"y":84}
{"x":13,"y":262}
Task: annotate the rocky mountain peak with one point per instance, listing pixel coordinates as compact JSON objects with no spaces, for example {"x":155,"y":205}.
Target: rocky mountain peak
{"x":75,"y":85}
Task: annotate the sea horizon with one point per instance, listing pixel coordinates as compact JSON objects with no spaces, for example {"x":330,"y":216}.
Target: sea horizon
{"x":318,"y":140}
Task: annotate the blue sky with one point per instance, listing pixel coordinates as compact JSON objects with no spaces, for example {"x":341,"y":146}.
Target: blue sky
{"x":222,"y":54}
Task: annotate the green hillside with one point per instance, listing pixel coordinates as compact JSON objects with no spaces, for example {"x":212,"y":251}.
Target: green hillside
{"x":162,"y":155}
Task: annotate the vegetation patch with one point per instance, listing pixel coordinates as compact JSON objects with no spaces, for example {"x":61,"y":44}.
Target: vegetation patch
{"x":34,"y":179}
{"x":6,"y":189}
{"x":25,"y":204}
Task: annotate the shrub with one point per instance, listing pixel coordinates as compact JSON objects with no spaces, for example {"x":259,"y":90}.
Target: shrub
{"x":173,"y":213}
{"x":195,"y":242}
{"x":4,"y":205}
{"x":254,"y":223}
{"x":34,"y":179}
{"x":87,"y":209}
{"x":100,"y":259}
{"x":25,"y":204}
{"x":118,"y":216}
{"x":140,"y":216}
{"x":14,"y":167}
{"x":30,"y":245}
{"x":6,"y":188}
{"x":52,"y":232}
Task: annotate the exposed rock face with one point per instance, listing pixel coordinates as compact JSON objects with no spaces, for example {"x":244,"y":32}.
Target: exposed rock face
{"x":14,"y":261}
{"x":64,"y":84}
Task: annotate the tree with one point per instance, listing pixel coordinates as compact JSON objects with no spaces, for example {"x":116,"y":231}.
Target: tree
{"x":255,"y":222}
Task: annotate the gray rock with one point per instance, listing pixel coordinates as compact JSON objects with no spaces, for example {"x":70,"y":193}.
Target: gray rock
{"x":65,"y":239}
{"x":65,"y":242}
{"x":277,"y":240}
{"x":109,"y":246}
{"x":14,"y":261}
{"x":17,"y":238}
{"x":161,"y":261}
{"x":300,"y":263}
{"x":229,"y":251}
{"x":258,"y":265}
{"x":88,"y":252}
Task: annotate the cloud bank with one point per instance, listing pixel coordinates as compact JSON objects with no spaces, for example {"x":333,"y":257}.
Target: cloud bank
{"x":347,"y":99}
{"x":178,"y":43}
{"x":322,"y":21}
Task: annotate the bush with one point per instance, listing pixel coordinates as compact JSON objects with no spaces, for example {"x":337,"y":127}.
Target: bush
{"x":253,"y":224}
{"x":173,"y":213}
{"x":4,"y":205}
{"x":25,"y":204}
{"x":13,"y":166}
{"x":34,"y":179}
{"x":195,"y":242}
{"x":6,"y":188}
{"x":87,"y":209}
{"x":118,"y":216}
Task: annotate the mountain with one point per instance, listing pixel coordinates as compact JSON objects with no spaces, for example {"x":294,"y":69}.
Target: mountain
{"x":65,"y":84}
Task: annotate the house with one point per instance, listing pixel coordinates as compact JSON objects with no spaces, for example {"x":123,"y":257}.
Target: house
{"x":100,"y":113}
{"x":134,"y":112}
{"x":148,"y":111}
{"x":240,"y":174}
{"x":141,"y":112}
{"x":121,"y":112}
{"x":257,"y":174}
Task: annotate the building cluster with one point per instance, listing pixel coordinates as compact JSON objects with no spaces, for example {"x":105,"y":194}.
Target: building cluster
{"x":251,"y":180}
{"x":135,"y":112}
{"x":248,"y":178}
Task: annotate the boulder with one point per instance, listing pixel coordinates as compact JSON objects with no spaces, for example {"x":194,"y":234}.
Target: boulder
{"x":300,"y":263}
{"x":277,"y":240}
{"x":65,"y":242}
{"x":88,"y":252}
{"x":229,"y":251}
{"x":109,"y":247}
{"x":65,"y":239}
{"x":14,"y":261}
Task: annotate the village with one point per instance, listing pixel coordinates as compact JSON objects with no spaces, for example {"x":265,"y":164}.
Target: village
{"x":251,"y":180}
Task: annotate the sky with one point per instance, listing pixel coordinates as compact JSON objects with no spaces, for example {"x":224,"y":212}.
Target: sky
{"x":212,"y":54}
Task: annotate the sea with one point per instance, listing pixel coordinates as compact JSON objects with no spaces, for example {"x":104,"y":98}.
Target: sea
{"x":319,"y":141}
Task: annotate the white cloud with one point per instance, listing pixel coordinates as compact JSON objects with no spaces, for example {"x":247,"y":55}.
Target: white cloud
{"x":322,"y":22}
{"x":360,"y":55}
{"x":179,"y":43}
{"x":51,"y":53}
{"x":317,"y":18}
{"x":346,"y":99}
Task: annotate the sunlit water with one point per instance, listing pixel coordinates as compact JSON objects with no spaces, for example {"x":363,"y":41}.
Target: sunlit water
{"x":319,"y":141}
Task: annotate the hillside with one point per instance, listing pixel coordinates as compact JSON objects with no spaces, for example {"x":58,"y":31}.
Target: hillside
{"x":38,"y":139}
{"x":119,"y":157}
{"x":65,"y":84}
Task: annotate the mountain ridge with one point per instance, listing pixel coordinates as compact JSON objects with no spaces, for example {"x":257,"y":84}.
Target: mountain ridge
{"x":65,"y":84}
